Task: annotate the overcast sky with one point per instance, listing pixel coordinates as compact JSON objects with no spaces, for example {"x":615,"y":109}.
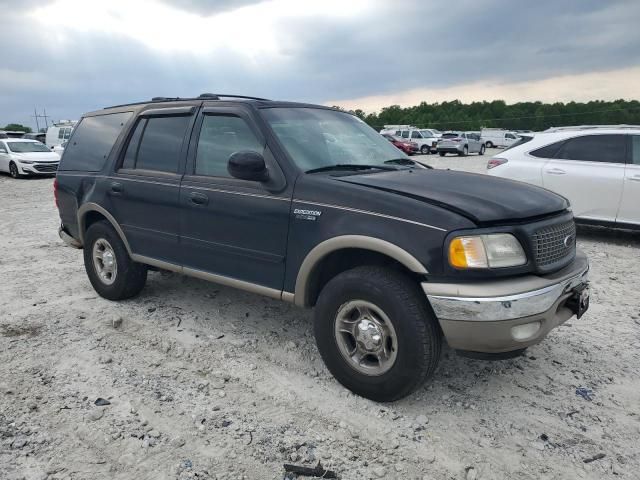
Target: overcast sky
{"x":72,"y":56}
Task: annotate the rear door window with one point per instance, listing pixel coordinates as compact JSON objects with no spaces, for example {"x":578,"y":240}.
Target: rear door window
{"x":635,"y":157}
{"x":405,"y":134}
{"x":415,"y":134}
{"x":595,"y":148}
{"x":156,"y":144}
{"x":92,"y":141}
{"x":548,"y":151}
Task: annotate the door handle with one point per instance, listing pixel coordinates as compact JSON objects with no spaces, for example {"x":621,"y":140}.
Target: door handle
{"x":556,"y":171}
{"x":198,"y":198}
{"x":116,"y":187}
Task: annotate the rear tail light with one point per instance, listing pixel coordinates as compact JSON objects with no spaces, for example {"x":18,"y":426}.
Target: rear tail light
{"x":55,"y":191}
{"x":494,"y":162}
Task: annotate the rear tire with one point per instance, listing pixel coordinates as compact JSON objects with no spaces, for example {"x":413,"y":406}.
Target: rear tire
{"x":13,"y":170}
{"x":489,"y":144}
{"x":407,"y":348}
{"x":482,"y":149}
{"x":465,"y":151}
{"x":110,"y":269}
{"x":441,"y":154}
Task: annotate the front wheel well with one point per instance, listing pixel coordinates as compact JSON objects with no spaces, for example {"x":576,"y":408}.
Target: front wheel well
{"x":345,"y":259}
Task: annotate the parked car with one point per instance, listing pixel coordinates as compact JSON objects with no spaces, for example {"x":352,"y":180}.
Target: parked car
{"x":498,"y":138}
{"x":460,"y":143}
{"x":425,"y":138}
{"x":253,"y":194}
{"x":40,"y":136}
{"x":59,"y":149}
{"x":20,"y":157}
{"x":406,"y":146}
{"x":596,"y":168}
{"x":59,"y":133}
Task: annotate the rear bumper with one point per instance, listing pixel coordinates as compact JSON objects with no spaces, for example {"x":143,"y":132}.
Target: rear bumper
{"x":450,"y":149}
{"x":506,"y":315}
{"x":68,"y":239}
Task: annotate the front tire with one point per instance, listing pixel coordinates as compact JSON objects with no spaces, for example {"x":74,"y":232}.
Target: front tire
{"x":110,"y":269}
{"x":376,"y":333}
{"x":13,"y":170}
{"x":441,"y":154}
{"x":424,"y":149}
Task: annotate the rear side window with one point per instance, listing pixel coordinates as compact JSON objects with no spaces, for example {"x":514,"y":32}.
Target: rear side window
{"x":156,"y":144}
{"x":92,"y":141}
{"x":405,"y":134}
{"x":635,"y":158}
{"x":547,"y":152}
{"x":220,"y":137}
{"x":595,"y":148}
{"x":415,"y":134}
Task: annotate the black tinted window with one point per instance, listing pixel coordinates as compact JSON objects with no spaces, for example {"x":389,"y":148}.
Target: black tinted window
{"x":220,"y":137}
{"x":595,"y":148}
{"x":91,"y":142}
{"x":635,"y":158}
{"x":549,"y":151}
{"x":161,"y":144}
{"x":130,"y":155}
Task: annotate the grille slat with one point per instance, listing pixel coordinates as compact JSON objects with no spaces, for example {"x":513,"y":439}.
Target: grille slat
{"x":549,"y":244}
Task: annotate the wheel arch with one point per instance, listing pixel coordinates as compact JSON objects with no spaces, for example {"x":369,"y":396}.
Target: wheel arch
{"x":310,"y":279}
{"x":90,"y":213}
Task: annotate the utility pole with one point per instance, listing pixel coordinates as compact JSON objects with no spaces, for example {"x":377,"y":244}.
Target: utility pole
{"x":35,"y":115}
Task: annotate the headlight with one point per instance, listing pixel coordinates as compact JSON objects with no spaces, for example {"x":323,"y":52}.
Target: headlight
{"x":486,"y":251}
{"x":26,"y":162}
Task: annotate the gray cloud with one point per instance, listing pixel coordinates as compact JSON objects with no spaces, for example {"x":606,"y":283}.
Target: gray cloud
{"x":389,"y":48}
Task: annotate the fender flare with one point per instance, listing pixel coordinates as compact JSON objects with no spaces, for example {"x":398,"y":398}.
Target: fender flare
{"x":320,"y":251}
{"x":94,"y":207}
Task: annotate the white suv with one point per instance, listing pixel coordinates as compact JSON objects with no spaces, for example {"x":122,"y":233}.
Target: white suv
{"x":596,"y":167}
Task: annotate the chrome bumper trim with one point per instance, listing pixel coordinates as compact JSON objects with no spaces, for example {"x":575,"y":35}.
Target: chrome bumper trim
{"x":68,"y":239}
{"x":505,"y":307}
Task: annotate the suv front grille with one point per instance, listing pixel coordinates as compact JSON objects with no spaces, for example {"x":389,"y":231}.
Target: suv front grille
{"x":554,"y":244}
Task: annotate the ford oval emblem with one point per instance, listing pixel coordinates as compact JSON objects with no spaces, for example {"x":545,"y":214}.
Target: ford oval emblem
{"x":568,"y":240}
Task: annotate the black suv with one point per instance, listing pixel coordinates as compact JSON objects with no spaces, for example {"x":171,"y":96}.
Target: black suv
{"x":310,"y":205}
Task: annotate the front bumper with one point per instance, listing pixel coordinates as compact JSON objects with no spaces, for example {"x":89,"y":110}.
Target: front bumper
{"x":37,"y":168}
{"x":505,"y":315}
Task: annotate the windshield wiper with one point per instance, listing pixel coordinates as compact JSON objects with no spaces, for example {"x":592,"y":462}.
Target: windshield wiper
{"x":408,"y":162}
{"x":349,"y":166}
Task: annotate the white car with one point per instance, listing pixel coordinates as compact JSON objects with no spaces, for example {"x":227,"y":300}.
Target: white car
{"x":21,"y":157}
{"x":426,"y":138}
{"x":498,"y":137}
{"x":596,"y":168}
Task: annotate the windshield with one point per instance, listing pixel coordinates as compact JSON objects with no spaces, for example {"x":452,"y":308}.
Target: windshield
{"x":27,"y":147}
{"x":316,"y":138}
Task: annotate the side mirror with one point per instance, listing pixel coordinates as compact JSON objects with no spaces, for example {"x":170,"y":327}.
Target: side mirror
{"x":248,"y":165}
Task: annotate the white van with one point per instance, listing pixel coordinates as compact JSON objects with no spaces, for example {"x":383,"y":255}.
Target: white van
{"x":59,"y":133}
{"x":426,"y":138}
{"x":498,"y":137}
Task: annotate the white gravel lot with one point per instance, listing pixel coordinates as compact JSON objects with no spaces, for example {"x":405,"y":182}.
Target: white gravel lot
{"x":209,"y":382}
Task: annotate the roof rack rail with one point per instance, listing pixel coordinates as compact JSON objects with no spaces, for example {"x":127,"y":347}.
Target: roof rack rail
{"x":593,"y":127}
{"x":202,"y":96}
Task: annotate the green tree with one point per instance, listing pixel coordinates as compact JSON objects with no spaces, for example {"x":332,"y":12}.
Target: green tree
{"x":16,"y":127}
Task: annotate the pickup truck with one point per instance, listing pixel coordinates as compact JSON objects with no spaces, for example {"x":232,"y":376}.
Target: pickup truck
{"x":309,"y":205}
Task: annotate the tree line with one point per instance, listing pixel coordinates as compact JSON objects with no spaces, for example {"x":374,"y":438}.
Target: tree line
{"x":535,"y":116}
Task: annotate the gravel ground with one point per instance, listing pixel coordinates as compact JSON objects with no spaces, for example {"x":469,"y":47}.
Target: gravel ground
{"x":204,"y":381}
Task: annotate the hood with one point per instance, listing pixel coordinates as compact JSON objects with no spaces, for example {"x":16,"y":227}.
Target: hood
{"x":37,"y":156}
{"x":481,"y":198}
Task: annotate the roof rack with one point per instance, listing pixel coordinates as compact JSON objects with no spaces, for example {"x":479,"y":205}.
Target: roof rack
{"x":202,"y":96}
{"x":593,"y":127}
